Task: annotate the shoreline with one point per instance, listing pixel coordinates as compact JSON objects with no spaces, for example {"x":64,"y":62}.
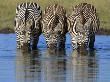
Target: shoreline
{"x":101,"y":31}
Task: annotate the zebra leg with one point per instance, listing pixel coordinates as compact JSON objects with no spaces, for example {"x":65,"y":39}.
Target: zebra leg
{"x":92,"y":40}
{"x":35,"y":42}
{"x":18,"y":40}
{"x":28,"y":44}
{"x":62,"y":42}
{"x":18,"y":43}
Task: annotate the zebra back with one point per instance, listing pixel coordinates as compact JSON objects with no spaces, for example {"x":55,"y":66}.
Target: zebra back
{"x":83,"y":23}
{"x":28,"y":11}
{"x":53,"y":15}
{"x":84,"y":12}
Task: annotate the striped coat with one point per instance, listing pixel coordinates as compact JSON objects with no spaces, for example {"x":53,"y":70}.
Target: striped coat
{"x":27,"y":24}
{"x":83,"y":23}
{"x":54,"y":26}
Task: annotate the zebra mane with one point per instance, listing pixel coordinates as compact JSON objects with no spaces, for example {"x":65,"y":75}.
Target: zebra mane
{"x":26,"y":16}
{"x":55,"y":8}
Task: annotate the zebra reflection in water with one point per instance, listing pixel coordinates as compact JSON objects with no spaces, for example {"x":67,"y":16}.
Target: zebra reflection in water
{"x":54,"y":66}
{"x":47,"y":67}
{"x":28,"y":67}
{"x":83,"y":67}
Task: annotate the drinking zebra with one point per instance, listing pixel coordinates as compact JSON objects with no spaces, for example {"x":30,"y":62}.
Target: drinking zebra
{"x":27,"y":24}
{"x":54,"y":26}
{"x":83,"y":23}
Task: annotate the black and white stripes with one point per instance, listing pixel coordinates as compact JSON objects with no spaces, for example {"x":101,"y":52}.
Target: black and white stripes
{"x":54,"y":26}
{"x":27,"y":24}
{"x":83,"y":23}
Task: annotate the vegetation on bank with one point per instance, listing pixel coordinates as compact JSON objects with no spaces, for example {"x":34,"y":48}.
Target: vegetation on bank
{"x":7,"y":9}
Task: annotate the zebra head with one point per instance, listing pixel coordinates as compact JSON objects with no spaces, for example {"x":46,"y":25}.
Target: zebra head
{"x":82,"y":32}
{"x":52,"y":31}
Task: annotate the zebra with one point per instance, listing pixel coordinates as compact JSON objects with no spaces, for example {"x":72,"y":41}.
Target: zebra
{"x":28,"y":25}
{"x":83,"y":24}
{"x":54,"y":26}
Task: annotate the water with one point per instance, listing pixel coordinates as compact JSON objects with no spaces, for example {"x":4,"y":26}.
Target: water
{"x":44,"y":65}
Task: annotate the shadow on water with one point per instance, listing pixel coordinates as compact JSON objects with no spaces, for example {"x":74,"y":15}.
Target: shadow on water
{"x":55,"y":66}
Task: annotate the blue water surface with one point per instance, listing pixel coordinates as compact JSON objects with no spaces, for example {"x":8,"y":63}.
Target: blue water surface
{"x":46,"y":66}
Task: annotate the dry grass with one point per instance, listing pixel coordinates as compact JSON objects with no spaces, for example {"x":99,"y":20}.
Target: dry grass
{"x":7,"y":9}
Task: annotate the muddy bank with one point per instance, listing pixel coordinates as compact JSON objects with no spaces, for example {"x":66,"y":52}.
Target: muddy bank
{"x":103,"y":31}
{"x":100,"y":32}
{"x":6,"y":31}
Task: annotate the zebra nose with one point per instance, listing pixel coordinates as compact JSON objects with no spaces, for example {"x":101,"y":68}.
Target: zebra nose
{"x":82,"y":46}
{"x":52,"y":46}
